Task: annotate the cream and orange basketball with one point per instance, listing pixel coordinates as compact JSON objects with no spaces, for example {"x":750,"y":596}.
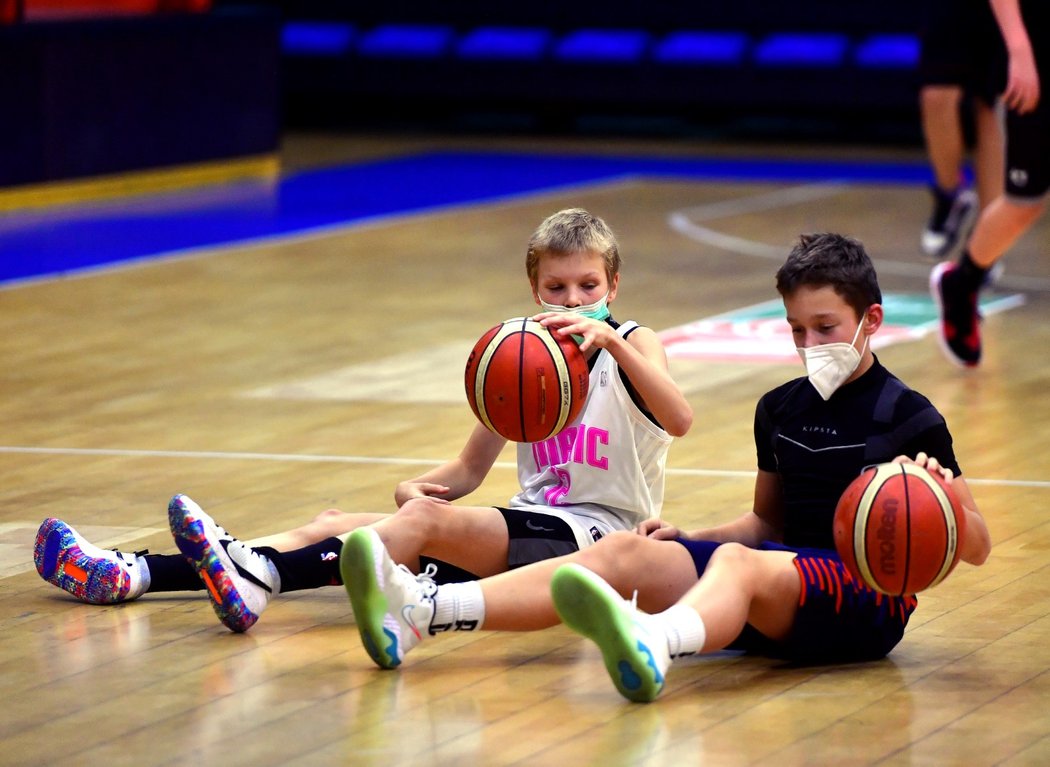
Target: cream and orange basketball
{"x":898,"y":528}
{"x":524,"y":382}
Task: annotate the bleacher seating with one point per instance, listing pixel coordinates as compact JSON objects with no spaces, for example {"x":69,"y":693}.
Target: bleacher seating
{"x":851,"y":64}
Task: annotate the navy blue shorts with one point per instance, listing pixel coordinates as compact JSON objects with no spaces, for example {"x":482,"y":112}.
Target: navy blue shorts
{"x":839,"y":618}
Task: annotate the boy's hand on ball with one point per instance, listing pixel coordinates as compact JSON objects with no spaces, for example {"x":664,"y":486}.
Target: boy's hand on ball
{"x":929,"y":463}
{"x":593,"y":332}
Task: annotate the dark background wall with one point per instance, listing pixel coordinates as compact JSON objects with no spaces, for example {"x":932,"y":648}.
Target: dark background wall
{"x":107,"y":95}
{"x":94,"y":96}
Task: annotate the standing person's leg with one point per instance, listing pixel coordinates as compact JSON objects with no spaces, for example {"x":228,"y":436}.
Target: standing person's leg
{"x":988,"y":152}
{"x":954,"y":205}
{"x":955,"y":286}
{"x":999,"y":227}
{"x":942,"y":129}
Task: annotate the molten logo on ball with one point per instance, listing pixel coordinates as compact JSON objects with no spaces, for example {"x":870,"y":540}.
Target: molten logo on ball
{"x":887,"y":536}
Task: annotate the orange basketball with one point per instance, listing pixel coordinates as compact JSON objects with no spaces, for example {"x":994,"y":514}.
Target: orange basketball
{"x":525,"y":383}
{"x":898,"y":527}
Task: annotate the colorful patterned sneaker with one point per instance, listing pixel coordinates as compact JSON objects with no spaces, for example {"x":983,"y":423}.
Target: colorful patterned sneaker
{"x":950,"y":224}
{"x":65,"y":559}
{"x":634,"y":649}
{"x":392,"y":606}
{"x":959,"y":331}
{"x":238,"y":579}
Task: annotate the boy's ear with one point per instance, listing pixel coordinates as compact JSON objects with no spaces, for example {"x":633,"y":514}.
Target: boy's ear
{"x":613,"y":286}
{"x":873,"y":318}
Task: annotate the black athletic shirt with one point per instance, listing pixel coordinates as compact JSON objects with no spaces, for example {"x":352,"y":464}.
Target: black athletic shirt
{"x":819,"y":447}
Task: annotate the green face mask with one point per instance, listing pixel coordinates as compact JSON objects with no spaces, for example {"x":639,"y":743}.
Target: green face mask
{"x":599,"y":310}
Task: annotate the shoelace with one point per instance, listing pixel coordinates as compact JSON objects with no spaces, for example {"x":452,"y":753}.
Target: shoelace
{"x":634,"y":617}
{"x":425,"y":579}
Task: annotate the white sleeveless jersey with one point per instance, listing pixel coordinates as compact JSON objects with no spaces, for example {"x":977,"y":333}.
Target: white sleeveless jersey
{"x":605,"y":471}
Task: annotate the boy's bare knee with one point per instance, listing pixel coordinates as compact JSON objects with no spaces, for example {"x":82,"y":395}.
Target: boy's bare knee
{"x":940,"y":98}
{"x":422,"y":512}
{"x":611,"y":550}
{"x":329,"y":523}
{"x":328,"y":515}
{"x":731,"y":555}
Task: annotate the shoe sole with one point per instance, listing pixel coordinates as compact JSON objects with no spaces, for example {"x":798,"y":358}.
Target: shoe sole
{"x":590,"y":607}
{"x":62,"y":563}
{"x":935,"y":293}
{"x":192,"y":541}
{"x":359,"y":567}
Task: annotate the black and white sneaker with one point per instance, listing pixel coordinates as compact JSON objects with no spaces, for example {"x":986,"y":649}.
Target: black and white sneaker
{"x":239,"y":580}
{"x":950,"y":223}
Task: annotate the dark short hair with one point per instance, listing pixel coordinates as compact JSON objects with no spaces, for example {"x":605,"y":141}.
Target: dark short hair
{"x":833,"y":260}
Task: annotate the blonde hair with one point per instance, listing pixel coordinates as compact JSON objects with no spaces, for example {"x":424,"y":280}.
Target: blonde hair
{"x":570,"y":231}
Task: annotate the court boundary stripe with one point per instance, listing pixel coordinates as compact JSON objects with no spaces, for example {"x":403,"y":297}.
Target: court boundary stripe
{"x":558,"y":170}
{"x":384,"y":461}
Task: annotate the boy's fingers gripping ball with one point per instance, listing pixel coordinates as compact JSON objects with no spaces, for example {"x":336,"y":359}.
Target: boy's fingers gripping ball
{"x":898,"y":528}
{"x":525,"y":383}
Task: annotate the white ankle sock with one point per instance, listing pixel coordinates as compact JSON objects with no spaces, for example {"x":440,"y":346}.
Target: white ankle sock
{"x":684,"y":628}
{"x":458,"y":607}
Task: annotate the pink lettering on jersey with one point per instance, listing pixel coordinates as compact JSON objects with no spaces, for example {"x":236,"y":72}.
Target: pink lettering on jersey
{"x":566,"y":439}
{"x":594,"y":438}
{"x":576,"y":444}
{"x":556,"y":494}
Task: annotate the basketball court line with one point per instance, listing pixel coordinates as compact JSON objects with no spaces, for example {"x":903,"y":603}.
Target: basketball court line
{"x":385,"y":461}
{"x":686,"y":222}
{"x":17,"y":537}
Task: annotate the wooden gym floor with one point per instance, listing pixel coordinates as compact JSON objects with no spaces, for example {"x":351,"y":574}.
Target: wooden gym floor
{"x":275,"y":379}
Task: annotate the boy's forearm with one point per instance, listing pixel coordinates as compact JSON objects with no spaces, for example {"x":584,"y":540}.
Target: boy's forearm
{"x":1011,"y":24}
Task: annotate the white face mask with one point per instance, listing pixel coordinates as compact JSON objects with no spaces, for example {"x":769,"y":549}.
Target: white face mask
{"x":829,"y":365}
{"x":599,"y":310}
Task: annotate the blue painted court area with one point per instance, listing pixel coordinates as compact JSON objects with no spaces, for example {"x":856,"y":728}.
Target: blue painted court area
{"x":71,"y":238}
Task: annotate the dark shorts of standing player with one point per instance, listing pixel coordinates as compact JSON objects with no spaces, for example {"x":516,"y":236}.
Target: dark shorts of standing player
{"x":961,"y":45}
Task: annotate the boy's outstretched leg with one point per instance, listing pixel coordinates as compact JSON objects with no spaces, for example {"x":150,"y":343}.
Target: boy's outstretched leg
{"x":238,"y":580}
{"x":634,"y":647}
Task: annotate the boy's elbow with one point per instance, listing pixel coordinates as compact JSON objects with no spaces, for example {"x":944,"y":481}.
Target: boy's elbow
{"x":979,"y":553}
{"x":680,"y":425}
{"x":978,"y":543}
